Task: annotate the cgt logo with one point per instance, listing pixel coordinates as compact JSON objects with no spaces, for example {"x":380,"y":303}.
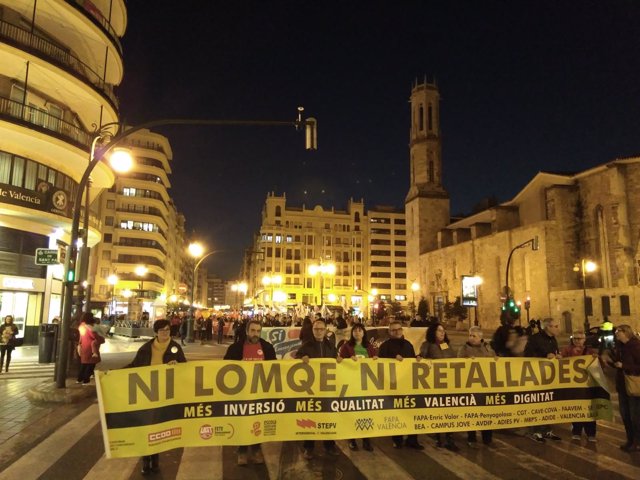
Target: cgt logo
{"x":364,"y":424}
{"x":306,"y":423}
{"x":165,"y":434}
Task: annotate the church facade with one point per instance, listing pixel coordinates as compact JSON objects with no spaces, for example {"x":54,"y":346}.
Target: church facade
{"x":570,"y":219}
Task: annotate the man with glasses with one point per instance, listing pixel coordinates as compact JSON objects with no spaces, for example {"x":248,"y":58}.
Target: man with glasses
{"x":396,"y":346}
{"x":318,"y":347}
{"x":544,"y":345}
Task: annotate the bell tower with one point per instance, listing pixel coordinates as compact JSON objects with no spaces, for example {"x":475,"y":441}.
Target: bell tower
{"x":427,"y":202}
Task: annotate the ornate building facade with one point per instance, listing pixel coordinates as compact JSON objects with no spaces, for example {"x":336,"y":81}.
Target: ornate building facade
{"x":591,"y":215}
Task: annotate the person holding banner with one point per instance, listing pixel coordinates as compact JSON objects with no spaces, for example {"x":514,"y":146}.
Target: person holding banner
{"x":358,"y":347}
{"x":318,"y":347}
{"x":161,"y":349}
{"x":476,"y":347}
{"x":577,"y":348}
{"x":437,"y":347}
{"x":252,"y":348}
{"x":544,"y":345}
{"x":398,"y":347}
{"x":628,"y":365}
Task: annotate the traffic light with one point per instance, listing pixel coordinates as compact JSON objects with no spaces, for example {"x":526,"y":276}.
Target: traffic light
{"x":510,"y":310}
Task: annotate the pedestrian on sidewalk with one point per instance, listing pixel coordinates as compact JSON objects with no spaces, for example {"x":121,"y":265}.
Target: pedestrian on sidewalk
{"x":159,"y":350}
{"x":576,"y":348}
{"x":628,"y":363}
{"x":252,"y":348}
{"x":8,"y":340}
{"x":88,"y":347}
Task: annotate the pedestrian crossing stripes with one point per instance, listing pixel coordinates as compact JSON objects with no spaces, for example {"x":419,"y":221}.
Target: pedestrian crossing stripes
{"x":28,"y":370}
{"x":74,"y":451}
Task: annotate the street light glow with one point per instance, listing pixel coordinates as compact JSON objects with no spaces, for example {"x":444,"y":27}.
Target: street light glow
{"x":415,"y":286}
{"x":196,"y":249}
{"x":590,"y":266}
{"x":121,"y":160}
{"x":141,"y":270}
{"x":112,"y":279}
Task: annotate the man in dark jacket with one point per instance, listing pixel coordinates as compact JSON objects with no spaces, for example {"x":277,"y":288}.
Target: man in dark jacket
{"x":318,"y":347}
{"x":544,"y":345}
{"x":253,"y":348}
{"x":399,"y":348}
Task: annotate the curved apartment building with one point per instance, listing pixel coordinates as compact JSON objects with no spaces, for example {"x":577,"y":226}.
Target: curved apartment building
{"x":142,"y":229}
{"x":59,"y":63}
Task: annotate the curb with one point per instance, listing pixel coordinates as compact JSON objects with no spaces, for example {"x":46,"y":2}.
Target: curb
{"x":48,"y":392}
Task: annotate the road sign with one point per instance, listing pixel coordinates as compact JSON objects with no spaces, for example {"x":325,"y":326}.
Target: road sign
{"x":47,"y":256}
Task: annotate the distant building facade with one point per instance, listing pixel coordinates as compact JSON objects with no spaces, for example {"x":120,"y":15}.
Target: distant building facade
{"x":141,"y":227}
{"x":592,"y":215}
{"x":368,"y":250}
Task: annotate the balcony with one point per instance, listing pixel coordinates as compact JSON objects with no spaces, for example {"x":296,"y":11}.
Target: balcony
{"x":44,"y":122}
{"x":89,"y":10}
{"x":25,"y":40}
{"x":148,"y":211}
{"x":130,"y":244}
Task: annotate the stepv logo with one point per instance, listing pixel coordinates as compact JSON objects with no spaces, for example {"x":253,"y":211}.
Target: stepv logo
{"x":364,"y":424}
{"x":306,"y":423}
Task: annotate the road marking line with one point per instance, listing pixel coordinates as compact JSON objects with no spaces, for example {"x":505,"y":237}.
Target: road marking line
{"x":272,"y":452}
{"x":49,"y":451}
{"x":600,"y":460}
{"x":464,"y":469}
{"x":112,"y":468}
{"x":373,"y":464}
{"x":200,"y":463}
{"x":529,"y":462}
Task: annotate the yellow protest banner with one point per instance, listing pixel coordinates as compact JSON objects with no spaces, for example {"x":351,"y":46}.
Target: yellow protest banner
{"x":151,"y":409}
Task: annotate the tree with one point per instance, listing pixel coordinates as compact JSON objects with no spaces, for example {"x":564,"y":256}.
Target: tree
{"x":423,"y":308}
{"x":395,"y":309}
{"x":455,"y":310}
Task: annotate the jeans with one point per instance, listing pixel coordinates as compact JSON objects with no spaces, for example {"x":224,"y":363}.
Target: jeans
{"x":309,"y":444}
{"x":630,"y":413}
{"x":411,"y":439}
{"x":5,"y":350}
{"x":86,"y":370}
{"x":589,"y":428}
{"x":487,"y":436}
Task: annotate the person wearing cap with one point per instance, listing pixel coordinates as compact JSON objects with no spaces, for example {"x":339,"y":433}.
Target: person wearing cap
{"x":160,"y":350}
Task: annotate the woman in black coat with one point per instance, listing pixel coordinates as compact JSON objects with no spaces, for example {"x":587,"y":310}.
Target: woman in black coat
{"x":162,"y":349}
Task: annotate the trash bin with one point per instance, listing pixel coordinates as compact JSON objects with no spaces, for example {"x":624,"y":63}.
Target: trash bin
{"x":46,"y":341}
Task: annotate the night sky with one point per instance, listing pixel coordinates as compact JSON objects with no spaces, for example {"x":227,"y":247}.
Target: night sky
{"x":526,"y":87}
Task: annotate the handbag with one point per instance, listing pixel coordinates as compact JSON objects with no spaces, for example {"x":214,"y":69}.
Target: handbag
{"x":632,"y":382}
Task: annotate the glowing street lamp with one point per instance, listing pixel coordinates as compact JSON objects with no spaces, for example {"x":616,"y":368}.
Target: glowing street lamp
{"x":271,"y":281}
{"x":113,"y":281}
{"x":141,"y":271}
{"x":584,"y":267}
{"x":322,"y":269}
{"x":197,"y":251}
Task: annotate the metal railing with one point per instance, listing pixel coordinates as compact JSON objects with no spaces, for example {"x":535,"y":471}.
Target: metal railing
{"x":91,"y":11}
{"x":56,"y":55}
{"x":43,"y":119}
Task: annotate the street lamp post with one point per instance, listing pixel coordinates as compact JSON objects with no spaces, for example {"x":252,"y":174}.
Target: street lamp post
{"x":584,"y":267}
{"x":196,"y":250}
{"x":415,"y":286}
{"x":271,"y":281}
{"x":121,"y":161}
{"x":239,"y":288}
{"x":328,"y":269}
{"x":113,"y":281}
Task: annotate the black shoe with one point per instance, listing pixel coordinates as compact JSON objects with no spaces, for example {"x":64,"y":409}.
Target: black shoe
{"x":155,"y":463}
{"x":366,"y":444}
{"x":332,"y":451}
{"x":438,"y":444}
{"x":353,"y":445}
{"x":397,"y":445}
{"x":452,"y":447}
{"x":415,"y":445}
